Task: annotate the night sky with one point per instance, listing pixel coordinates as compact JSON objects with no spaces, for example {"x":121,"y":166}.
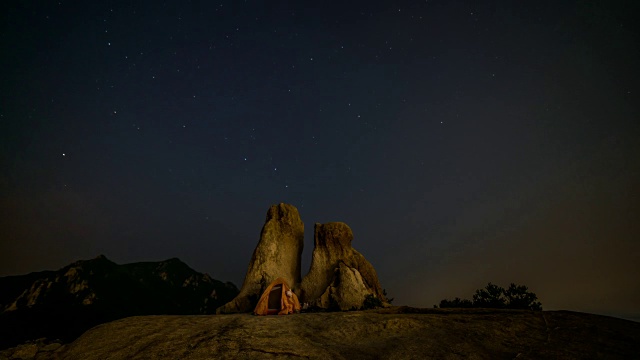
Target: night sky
{"x":463,"y":142}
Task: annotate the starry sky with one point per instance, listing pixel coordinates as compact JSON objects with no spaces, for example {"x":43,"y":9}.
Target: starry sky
{"x":463,"y":141}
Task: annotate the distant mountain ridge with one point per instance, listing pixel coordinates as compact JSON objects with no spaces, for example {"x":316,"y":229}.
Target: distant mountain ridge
{"x":63,"y":304}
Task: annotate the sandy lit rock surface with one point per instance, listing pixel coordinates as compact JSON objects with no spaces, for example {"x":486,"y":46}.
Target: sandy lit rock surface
{"x":393,"y":333}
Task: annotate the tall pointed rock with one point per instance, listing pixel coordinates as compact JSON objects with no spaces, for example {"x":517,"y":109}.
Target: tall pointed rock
{"x":276,"y":255}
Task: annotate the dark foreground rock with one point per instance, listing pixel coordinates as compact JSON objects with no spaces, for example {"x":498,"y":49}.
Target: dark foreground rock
{"x":394,"y":333}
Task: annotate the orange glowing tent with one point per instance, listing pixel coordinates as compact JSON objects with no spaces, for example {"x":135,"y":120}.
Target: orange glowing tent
{"x":277,"y":298}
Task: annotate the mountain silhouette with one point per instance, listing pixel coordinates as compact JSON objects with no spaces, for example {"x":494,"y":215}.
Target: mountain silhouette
{"x":63,"y":304}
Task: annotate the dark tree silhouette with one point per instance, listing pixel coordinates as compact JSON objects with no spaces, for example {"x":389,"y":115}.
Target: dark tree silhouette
{"x":456,"y":303}
{"x":496,"y":297}
{"x":519,"y":297}
{"x":491,"y":296}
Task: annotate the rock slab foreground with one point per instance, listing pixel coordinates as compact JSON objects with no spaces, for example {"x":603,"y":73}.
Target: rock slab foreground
{"x":392,"y":333}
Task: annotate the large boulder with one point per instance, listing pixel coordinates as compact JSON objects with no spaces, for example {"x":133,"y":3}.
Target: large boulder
{"x":276,"y":255}
{"x":346,"y":291}
{"x":340,"y":277}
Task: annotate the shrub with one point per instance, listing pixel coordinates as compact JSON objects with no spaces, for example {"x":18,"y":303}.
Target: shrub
{"x":389,"y":300}
{"x":371,"y":302}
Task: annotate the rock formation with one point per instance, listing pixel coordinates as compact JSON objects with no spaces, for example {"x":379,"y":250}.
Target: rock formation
{"x":276,"y":255}
{"x":346,"y":291}
{"x":340,"y":277}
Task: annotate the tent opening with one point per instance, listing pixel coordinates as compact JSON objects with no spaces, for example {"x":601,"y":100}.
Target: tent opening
{"x":275,"y":298}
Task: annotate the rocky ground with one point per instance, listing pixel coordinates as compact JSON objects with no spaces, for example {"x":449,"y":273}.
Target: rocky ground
{"x":37,"y":349}
{"x":393,"y":333}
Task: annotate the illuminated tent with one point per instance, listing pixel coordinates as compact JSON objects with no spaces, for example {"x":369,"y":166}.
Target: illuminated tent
{"x":277,"y":298}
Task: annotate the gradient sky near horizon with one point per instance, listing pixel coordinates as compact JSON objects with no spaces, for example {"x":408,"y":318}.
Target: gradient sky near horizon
{"x":463,"y":141}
